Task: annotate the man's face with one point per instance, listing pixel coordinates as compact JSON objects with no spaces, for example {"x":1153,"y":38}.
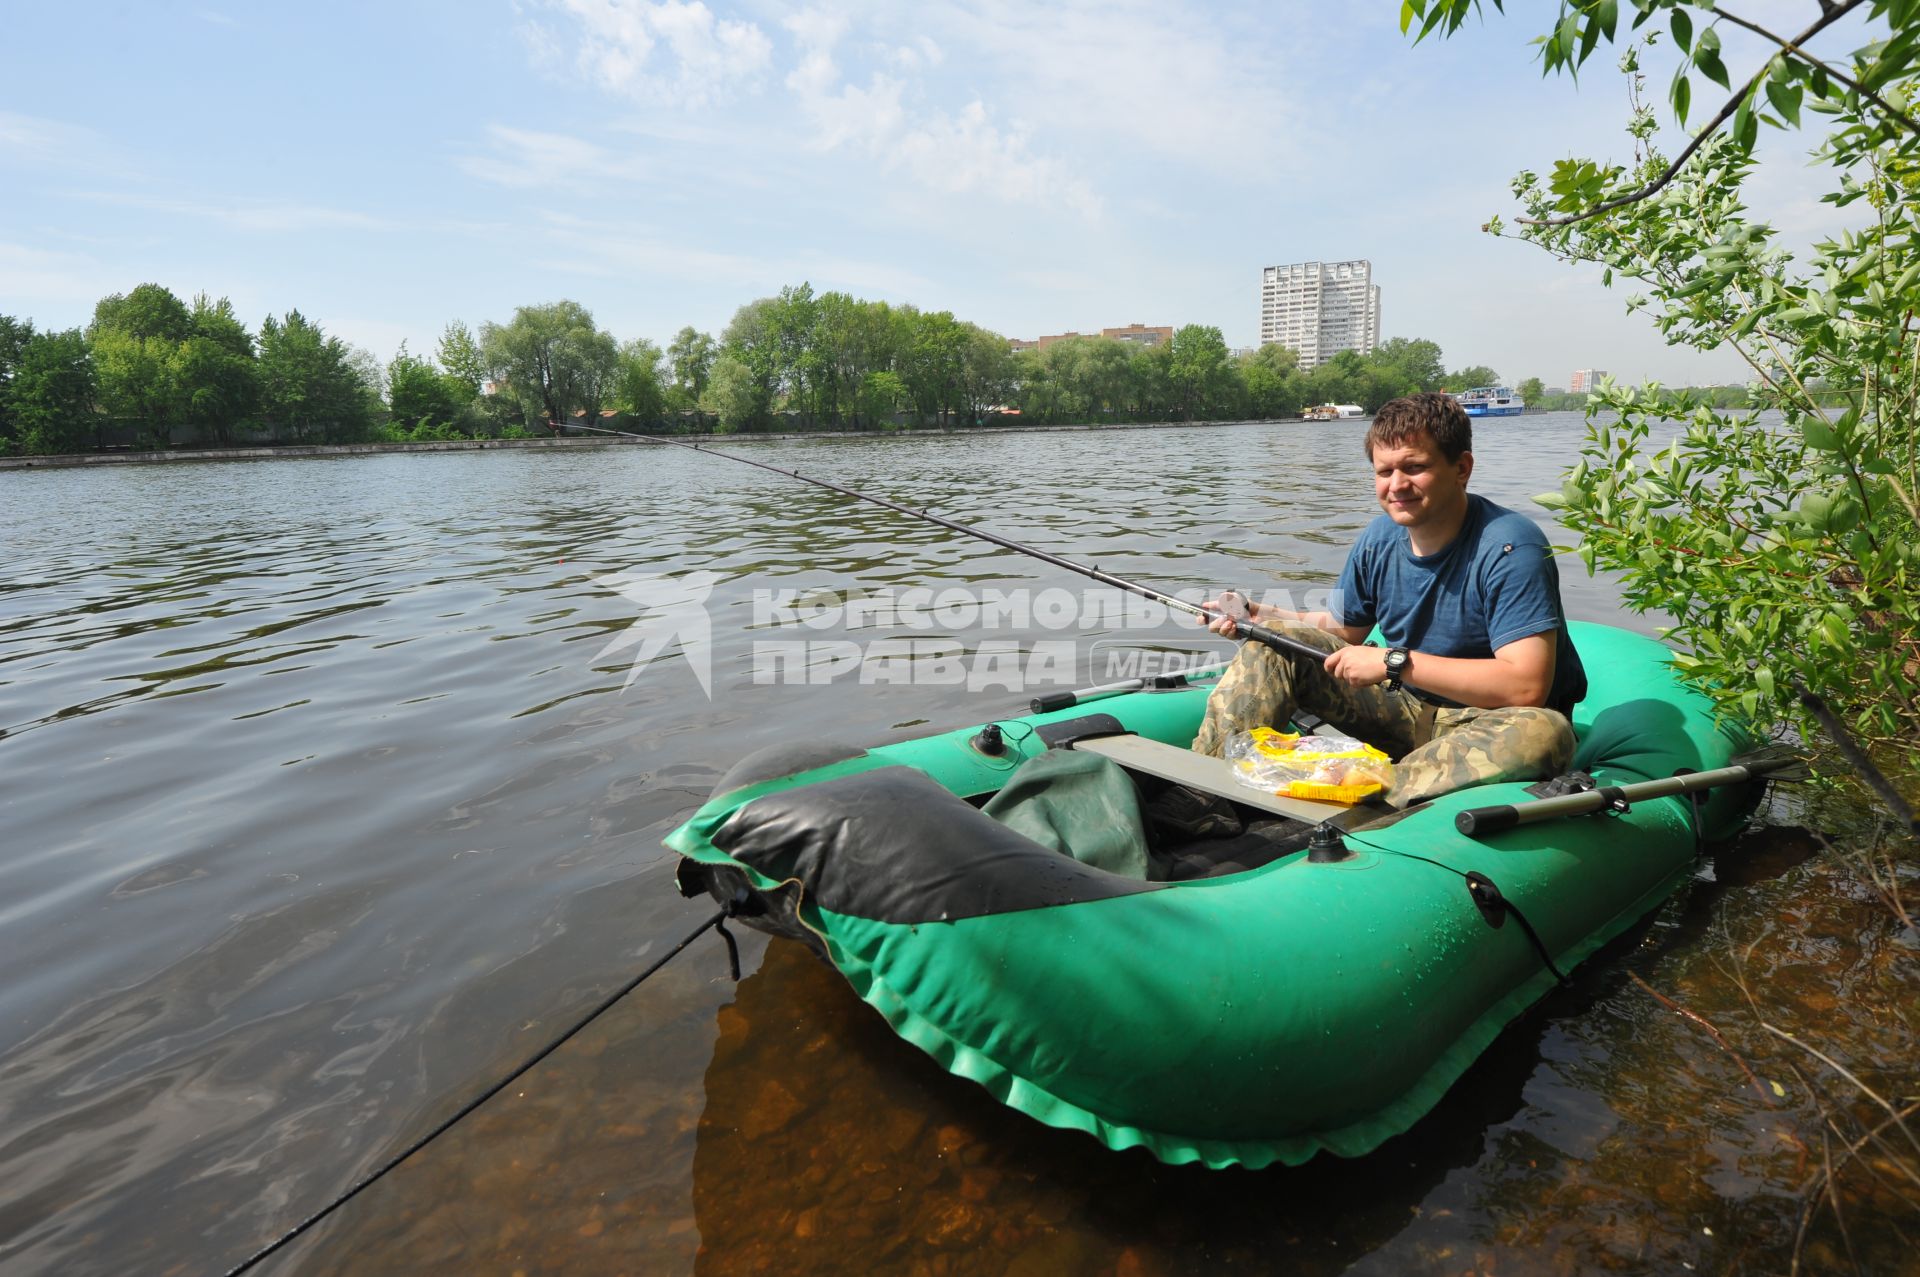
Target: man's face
{"x":1416,"y":484}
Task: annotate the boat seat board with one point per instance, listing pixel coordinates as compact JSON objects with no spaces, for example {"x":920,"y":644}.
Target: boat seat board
{"x":1203,"y":772}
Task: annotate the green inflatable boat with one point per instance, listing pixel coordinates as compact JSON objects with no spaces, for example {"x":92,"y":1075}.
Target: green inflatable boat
{"x":1241,"y":1000}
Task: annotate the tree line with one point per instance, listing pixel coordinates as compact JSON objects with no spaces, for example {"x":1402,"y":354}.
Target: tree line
{"x":152,"y":371}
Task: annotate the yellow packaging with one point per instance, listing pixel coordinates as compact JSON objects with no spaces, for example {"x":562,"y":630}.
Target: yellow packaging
{"x":1327,"y":769}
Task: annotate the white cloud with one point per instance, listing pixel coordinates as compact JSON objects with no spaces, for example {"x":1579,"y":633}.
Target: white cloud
{"x":1174,"y":78}
{"x":614,"y":43}
{"x":955,"y":152}
{"x":525,"y":158}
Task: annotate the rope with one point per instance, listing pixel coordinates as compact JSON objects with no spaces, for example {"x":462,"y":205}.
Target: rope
{"x":718,"y":921}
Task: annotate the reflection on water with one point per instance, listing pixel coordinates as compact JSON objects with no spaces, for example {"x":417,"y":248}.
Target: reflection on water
{"x":324,"y":807}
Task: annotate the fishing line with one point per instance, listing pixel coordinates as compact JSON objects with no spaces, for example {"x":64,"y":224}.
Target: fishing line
{"x":718,"y":922}
{"x":1257,"y":633}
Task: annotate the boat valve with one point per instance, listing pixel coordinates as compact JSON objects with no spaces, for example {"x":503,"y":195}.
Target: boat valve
{"x":989,"y":741}
{"x":1326,"y":847}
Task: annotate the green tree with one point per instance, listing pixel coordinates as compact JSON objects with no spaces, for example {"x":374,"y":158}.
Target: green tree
{"x":690,"y":356}
{"x":310,"y":384}
{"x":136,"y":383}
{"x":14,"y":336}
{"x":751,"y":346}
{"x":1415,"y":357}
{"x":795,"y":364}
{"x":1275,"y":387}
{"x":931,"y":361}
{"x":1531,"y":392}
{"x":1786,"y":550}
{"x":462,"y":359}
{"x":216,"y":377}
{"x":881,"y":394}
{"x":551,"y":360}
{"x":986,"y":372}
{"x":1341,"y":379}
{"x":1202,"y":374}
{"x":422,"y":399}
{"x":638,"y":389}
{"x":1469,"y":378}
{"x":736,"y":394}
{"x":136,"y":338}
{"x":149,"y":312}
{"x":50,"y":394}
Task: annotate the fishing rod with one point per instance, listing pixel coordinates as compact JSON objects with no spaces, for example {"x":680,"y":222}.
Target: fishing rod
{"x":1258,"y":633}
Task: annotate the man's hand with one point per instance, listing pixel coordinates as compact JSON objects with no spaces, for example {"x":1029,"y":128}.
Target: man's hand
{"x":1358,"y":666}
{"x":1231,"y":606}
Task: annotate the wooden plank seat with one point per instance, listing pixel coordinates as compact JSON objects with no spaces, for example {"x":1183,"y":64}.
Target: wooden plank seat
{"x":1209,"y":775}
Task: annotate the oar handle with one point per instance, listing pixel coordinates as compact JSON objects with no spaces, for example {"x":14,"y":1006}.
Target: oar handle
{"x":1478,"y":821}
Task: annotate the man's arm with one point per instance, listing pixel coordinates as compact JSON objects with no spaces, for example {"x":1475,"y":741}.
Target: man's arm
{"x":1262,"y":614}
{"x":1518,"y":673}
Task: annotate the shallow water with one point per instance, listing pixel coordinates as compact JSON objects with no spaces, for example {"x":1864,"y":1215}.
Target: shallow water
{"x":326,"y":802}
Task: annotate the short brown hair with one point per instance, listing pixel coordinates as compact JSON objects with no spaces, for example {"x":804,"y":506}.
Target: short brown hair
{"x":1402,"y":421}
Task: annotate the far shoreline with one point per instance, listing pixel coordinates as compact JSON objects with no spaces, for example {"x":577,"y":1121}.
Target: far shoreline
{"x":300,"y":452}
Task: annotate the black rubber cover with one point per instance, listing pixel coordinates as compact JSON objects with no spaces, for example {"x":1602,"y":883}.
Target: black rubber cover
{"x":1062,"y":734}
{"x":1485,"y":820}
{"x":894,"y":846}
{"x":786,"y":759}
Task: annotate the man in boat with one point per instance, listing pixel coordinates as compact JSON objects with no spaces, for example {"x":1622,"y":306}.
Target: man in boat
{"x":1478,"y":673}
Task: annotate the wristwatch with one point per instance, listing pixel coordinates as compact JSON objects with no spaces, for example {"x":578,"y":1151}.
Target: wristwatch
{"x":1397,"y":659}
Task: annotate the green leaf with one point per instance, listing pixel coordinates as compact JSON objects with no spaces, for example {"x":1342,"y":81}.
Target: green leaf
{"x":1682,"y":93}
{"x":1706,"y":56}
{"x":1711,"y":66}
{"x":1682,"y":30}
{"x":1786,"y":101}
{"x":1406,"y":15}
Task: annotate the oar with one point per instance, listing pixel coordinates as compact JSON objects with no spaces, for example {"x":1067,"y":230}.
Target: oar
{"x":1258,"y":633}
{"x":1477,"y":821}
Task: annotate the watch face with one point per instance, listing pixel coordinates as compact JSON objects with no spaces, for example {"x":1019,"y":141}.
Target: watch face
{"x":1396,"y":660}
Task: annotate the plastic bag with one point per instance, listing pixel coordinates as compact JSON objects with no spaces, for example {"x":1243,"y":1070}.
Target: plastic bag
{"x":1327,"y":769}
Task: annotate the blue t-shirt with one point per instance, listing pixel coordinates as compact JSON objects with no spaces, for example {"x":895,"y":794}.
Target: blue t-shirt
{"x":1494,"y":583}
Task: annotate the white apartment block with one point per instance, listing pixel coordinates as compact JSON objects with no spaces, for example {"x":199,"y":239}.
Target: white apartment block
{"x":1585,"y":380}
{"x":1320,"y":309}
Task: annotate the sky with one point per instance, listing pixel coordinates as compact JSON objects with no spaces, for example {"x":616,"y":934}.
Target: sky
{"x":1032,"y":167}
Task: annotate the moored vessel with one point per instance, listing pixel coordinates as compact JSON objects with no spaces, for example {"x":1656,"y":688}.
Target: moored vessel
{"x":1491,"y":401}
{"x":1246,"y":999}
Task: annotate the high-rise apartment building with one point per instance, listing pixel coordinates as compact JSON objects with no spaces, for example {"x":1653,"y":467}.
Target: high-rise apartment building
{"x":1320,"y":309}
{"x":1585,"y":381}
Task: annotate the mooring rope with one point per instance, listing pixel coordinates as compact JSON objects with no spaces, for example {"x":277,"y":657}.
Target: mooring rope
{"x":718,"y":922}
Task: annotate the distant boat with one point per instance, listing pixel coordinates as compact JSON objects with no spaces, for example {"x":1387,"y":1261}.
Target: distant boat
{"x":1491,"y":401}
{"x":1334,"y":412}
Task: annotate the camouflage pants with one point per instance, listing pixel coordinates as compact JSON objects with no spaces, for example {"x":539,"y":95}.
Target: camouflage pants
{"x":1468,"y":746}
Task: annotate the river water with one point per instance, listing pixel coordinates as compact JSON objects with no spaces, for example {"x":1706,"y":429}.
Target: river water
{"x":331,"y":790}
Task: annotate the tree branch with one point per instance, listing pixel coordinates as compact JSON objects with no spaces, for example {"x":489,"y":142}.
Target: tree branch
{"x":1793,"y":47}
{"x":1870,"y":775}
{"x":1828,"y":18}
